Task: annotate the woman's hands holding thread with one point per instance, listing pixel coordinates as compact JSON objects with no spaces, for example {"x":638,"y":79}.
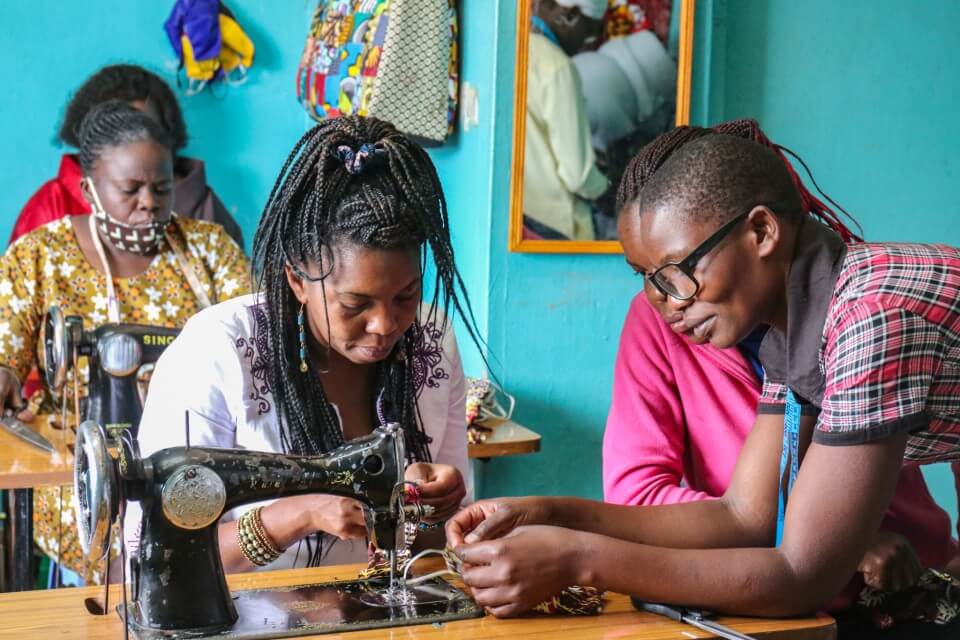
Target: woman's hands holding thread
{"x":531,"y":564}
{"x":441,"y":486}
{"x":340,"y":517}
{"x":494,"y":518}
{"x":288,"y":520}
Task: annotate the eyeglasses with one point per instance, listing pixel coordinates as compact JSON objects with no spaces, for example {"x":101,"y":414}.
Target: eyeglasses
{"x":675,"y":279}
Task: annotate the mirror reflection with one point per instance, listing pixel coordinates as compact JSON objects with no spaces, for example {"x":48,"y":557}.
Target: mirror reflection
{"x":601,"y":83}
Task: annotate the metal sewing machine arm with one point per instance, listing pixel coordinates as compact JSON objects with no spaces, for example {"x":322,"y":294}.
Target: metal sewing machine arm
{"x":178,"y":580}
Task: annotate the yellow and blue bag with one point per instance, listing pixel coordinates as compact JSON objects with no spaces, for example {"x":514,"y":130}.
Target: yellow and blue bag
{"x":209,"y":43}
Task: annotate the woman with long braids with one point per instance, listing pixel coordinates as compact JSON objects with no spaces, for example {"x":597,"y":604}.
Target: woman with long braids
{"x":335,"y":342}
{"x":133,"y":260}
{"x":860,"y":377}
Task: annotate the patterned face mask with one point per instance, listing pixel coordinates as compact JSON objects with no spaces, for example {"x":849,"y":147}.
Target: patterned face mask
{"x":142,"y":239}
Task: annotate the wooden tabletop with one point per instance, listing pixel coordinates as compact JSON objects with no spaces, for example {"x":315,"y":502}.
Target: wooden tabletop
{"x":62,"y":614}
{"x":507,"y":439}
{"x":24,"y":466}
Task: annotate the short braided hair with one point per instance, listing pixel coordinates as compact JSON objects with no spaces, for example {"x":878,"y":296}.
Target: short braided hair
{"x":127,"y":83}
{"x":355,"y":180}
{"x":115,"y":124}
{"x":740,"y":160}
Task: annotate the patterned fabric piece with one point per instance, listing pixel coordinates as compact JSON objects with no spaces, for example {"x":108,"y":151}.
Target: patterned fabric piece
{"x":46,"y":267}
{"x":574,"y":601}
{"x":416,"y":85}
{"x":341,"y":57}
{"x":934,"y":599}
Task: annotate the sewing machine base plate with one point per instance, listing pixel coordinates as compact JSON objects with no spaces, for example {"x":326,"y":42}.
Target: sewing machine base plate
{"x":333,"y":607}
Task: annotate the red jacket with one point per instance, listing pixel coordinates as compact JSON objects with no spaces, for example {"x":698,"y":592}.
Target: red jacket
{"x":61,"y":197}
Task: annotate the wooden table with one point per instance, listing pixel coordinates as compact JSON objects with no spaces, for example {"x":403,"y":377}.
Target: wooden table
{"x":507,"y":439}
{"x":22,"y":468}
{"x":61,"y":613}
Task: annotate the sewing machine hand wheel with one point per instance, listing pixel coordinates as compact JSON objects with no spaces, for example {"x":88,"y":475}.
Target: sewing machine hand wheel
{"x":95,"y":490}
{"x":55,"y":348}
{"x":61,"y":336}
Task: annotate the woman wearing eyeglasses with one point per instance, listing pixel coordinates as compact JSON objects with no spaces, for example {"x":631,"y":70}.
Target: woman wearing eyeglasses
{"x":861,"y":377}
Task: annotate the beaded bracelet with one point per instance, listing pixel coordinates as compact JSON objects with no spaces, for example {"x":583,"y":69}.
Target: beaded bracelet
{"x":252,"y":538}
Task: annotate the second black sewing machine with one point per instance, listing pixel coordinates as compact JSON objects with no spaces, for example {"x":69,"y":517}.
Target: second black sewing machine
{"x":120,"y":361}
{"x":177,"y":585}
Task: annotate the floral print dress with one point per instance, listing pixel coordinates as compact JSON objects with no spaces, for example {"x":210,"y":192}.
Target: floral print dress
{"x":47,"y":267}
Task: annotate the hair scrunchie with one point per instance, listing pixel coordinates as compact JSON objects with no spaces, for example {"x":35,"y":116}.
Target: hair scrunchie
{"x":357,"y":161}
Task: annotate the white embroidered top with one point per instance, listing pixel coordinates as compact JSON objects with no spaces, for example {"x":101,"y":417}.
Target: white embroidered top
{"x":217,"y":369}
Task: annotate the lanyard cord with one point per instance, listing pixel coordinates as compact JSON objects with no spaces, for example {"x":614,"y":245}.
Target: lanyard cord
{"x":113,"y":304}
{"x":789,"y":454}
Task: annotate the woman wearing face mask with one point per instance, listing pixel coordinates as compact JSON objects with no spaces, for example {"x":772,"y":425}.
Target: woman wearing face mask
{"x":336,"y":342}
{"x":133,"y":261}
{"x":62,"y":196}
{"x":560,"y":167}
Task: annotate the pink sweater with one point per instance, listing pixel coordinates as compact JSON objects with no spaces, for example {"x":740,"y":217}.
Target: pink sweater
{"x":681,"y":412}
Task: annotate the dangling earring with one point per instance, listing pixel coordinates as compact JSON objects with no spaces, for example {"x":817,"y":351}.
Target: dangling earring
{"x":303,"y":341}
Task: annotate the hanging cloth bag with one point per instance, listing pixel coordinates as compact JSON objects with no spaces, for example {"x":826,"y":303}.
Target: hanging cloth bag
{"x":391,"y":59}
{"x":209,"y":43}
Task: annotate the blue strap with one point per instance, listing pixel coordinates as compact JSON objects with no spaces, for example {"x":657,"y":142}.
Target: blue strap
{"x":542,"y":27}
{"x":789,"y":452}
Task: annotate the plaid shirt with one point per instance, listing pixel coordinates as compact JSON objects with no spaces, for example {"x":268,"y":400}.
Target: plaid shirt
{"x":887,"y":354}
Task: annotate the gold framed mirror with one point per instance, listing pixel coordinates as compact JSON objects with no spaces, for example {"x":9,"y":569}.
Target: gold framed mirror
{"x":582,"y":110}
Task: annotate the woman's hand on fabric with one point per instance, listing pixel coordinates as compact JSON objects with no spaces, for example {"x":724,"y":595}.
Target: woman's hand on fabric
{"x":494,"y":518}
{"x":11,"y":402}
{"x":340,"y":517}
{"x":441,"y":486}
{"x":891,"y":564}
{"x":513,"y":574}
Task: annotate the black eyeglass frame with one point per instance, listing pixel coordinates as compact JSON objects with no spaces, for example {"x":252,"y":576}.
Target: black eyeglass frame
{"x":688,"y":264}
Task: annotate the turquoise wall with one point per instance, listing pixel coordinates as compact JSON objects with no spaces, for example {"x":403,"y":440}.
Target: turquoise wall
{"x":863,"y":103}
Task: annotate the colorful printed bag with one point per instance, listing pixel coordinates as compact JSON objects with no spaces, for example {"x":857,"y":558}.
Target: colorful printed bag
{"x":391,"y":59}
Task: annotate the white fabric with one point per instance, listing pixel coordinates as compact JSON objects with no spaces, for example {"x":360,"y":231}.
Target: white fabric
{"x":560,"y":173}
{"x":629,"y":85}
{"x":214,"y":370}
{"x":590,"y":8}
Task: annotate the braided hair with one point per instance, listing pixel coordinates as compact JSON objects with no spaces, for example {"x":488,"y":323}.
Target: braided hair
{"x":127,"y":83}
{"x":115,"y":124}
{"x":653,"y":156}
{"x":351,"y":180}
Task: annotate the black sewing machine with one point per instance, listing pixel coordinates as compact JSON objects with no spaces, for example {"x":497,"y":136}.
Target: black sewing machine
{"x":120,"y":357}
{"x":177,"y":581}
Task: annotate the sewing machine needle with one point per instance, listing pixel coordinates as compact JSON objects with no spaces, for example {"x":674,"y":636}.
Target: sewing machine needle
{"x":393,"y":568}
